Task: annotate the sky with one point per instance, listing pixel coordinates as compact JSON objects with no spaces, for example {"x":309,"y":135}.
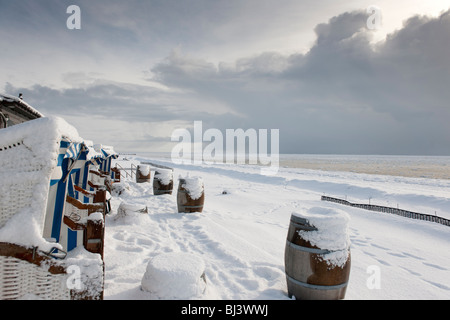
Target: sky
{"x":332,"y":76}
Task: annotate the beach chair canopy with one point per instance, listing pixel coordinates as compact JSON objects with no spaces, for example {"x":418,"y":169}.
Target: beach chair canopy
{"x":108,"y":154}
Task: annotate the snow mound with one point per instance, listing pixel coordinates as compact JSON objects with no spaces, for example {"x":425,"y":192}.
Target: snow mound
{"x":86,"y":270}
{"x":331,"y":233}
{"x":132,"y":209}
{"x":175,"y":275}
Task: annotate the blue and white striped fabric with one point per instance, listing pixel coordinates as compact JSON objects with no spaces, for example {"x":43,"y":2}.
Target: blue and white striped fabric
{"x":57,"y":194}
{"x":54,"y":228}
{"x":96,"y":161}
{"x":74,"y":150}
{"x":109,"y":154}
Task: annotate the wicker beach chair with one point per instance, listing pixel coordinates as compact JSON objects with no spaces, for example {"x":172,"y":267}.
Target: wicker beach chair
{"x":26,"y":271}
{"x":37,"y":247}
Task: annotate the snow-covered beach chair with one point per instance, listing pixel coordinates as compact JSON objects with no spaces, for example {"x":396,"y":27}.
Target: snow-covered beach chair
{"x":105,"y":172}
{"x":109,"y":154}
{"x":88,"y":185}
{"x":67,"y":214}
{"x":36,"y":246}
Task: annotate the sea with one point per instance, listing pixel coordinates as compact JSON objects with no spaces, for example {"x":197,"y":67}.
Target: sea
{"x":429,"y":167}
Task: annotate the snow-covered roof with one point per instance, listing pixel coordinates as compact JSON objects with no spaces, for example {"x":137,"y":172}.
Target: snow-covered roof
{"x":11,"y":101}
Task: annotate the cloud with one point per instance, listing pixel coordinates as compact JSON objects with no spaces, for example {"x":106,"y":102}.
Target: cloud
{"x":344,"y":95}
{"x":125,"y":115}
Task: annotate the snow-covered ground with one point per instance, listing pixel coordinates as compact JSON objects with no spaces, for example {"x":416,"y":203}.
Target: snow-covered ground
{"x":241,"y":234}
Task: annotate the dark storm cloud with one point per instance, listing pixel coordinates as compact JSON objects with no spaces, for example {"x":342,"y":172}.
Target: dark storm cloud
{"x":344,"y":95}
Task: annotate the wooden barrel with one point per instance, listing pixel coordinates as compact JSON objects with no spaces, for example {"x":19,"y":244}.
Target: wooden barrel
{"x":143,"y":174}
{"x":308,"y":275}
{"x":186,"y":202}
{"x":162,"y":182}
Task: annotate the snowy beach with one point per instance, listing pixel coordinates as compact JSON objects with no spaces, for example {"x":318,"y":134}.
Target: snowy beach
{"x":241,"y":234}
{"x":205,"y":152}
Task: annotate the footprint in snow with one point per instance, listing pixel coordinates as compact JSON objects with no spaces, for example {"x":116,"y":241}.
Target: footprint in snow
{"x":358,"y":242}
{"x":145,"y":242}
{"x":269,"y":273}
{"x":126,"y":248}
{"x":412,"y":256}
{"x":435,"y":266}
{"x":383,"y":262}
{"x":438,"y":285}
{"x":369,"y":253}
{"x":120,"y":236}
{"x":413,"y":272}
{"x":400,"y":255}
{"x":379,"y":247}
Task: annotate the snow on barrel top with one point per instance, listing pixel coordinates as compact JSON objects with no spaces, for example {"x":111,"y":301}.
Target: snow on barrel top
{"x":164,"y":175}
{"x":144,"y":169}
{"x":331,"y":232}
{"x":194,"y":185}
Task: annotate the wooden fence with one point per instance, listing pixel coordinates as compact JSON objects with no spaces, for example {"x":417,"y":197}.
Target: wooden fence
{"x":397,"y":211}
{"x":129,"y":172}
